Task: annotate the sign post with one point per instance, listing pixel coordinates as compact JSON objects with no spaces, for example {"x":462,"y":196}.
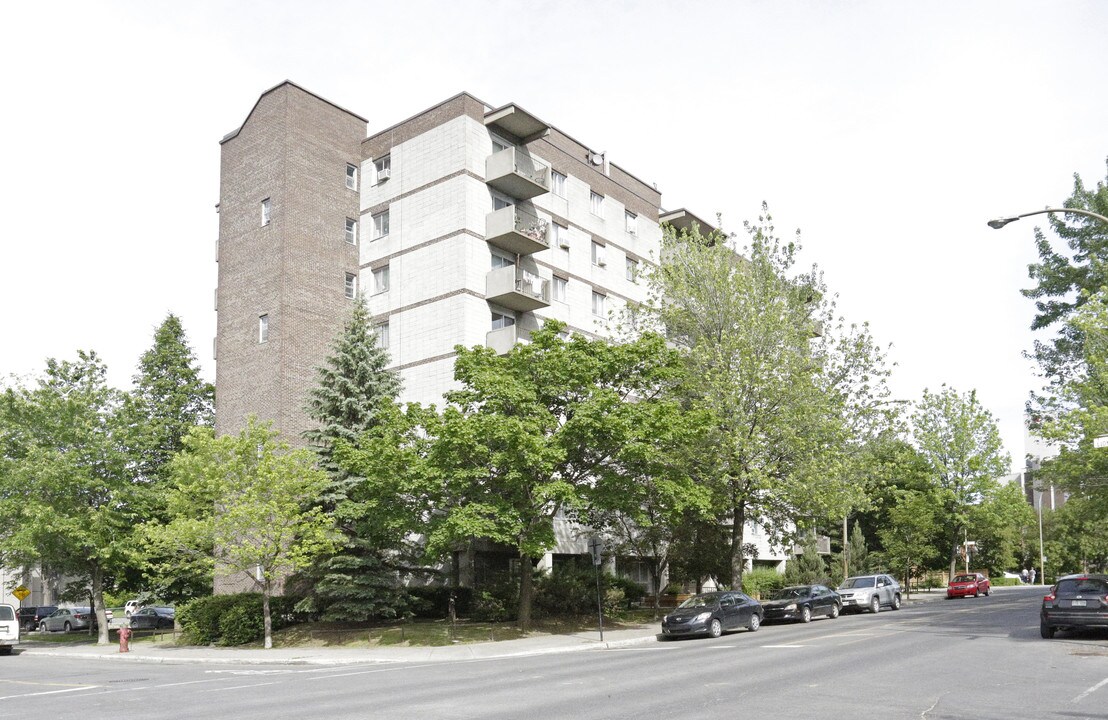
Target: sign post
{"x":596,"y":549}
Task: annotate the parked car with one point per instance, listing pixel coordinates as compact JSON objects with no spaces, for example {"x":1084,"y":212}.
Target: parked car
{"x":713,"y":613}
{"x":801,"y":602}
{"x":870,"y":592}
{"x":31,"y":616}
{"x":969,"y":584}
{"x":66,"y":619}
{"x":153,"y":618}
{"x":131,"y":607}
{"x":1077,"y":601}
{"x":9,"y":629}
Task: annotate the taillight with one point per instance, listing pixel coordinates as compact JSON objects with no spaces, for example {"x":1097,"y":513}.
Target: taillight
{"x":1048,"y":598}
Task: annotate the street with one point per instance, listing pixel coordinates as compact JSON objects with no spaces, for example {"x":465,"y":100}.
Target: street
{"x":972,"y":657}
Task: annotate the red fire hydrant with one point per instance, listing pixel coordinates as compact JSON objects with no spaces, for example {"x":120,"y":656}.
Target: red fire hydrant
{"x":124,"y":639}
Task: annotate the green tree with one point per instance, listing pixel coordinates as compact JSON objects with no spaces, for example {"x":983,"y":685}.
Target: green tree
{"x":808,"y":567}
{"x":959,"y":440}
{"x":66,"y":497}
{"x":242,"y":503}
{"x":781,"y":402}
{"x":532,"y":434}
{"x":354,"y":394}
{"x":1076,"y":538}
{"x":1001,"y":524}
{"x":912,"y":536}
{"x":169,"y":399}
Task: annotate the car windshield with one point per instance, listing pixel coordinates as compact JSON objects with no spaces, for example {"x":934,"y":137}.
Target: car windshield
{"x":6,"y":612}
{"x":859,"y":582}
{"x":789,"y":593}
{"x":701,"y":600}
{"x":964,"y":578}
{"x":1082,"y":586}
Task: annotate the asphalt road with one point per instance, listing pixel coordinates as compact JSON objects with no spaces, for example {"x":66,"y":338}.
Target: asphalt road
{"x":969,"y":658}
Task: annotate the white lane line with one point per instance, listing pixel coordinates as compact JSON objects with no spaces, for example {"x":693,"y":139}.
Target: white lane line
{"x":784,"y":646}
{"x":240,"y":687}
{"x":50,"y":692}
{"x":721,"y":647}
{"x":1091,"y":690}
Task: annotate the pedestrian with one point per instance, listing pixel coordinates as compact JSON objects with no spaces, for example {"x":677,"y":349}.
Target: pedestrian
{"x":1023,"y":575}
{"x":1032,"y":576}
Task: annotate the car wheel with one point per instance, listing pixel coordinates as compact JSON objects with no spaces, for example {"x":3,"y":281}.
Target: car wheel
{"x":875,"y":605}
{"x":715,"y":628}
{"x":42,"y":627}
{"x":835,"y":610}
{"x":5,"y":649}
{"x":1045,"y":630}
{"x":67,"y":627}
{"x":896,"y":601}
{"x":806,"y":614}
{"x":988,"y":591}
{"x":755,"y":623}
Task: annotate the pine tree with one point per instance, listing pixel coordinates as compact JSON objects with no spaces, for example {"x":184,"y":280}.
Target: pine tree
{"x":359,"y":580}
{"x":858,"y":556}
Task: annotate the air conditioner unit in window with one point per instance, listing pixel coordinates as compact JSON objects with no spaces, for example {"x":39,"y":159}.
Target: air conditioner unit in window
{"x":564,"y":243}
{"x":383,"y":174}
{"x":601,"y":262}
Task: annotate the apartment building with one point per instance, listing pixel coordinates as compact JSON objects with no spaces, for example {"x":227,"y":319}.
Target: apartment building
{"x":463,"y":225}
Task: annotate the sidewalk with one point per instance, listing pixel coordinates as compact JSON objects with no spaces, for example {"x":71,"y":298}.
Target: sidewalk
{"x":535,"y":645}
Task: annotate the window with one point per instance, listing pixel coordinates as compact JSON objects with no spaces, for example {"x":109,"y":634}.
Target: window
{"x":263,"y":328}
{"x":557,"y":183}
{"x":383,"y":335}
{"x":560,"y":288}
{"x":351,"y":231}
{"x":381,"y":225}
{"x":499,"y":202}
{"x":352,"y":176}
{"x":499,"y":261}
{"x":499,"y":144}
{"x":383,"y":166}
{"x":559,"y":236}
{"x":631,"y":222}
{"x":265,"y":212}
{"x":381,"y":280}
{"x":598,"y":303}
{"x":502,"y":320}
{"x":598,"y":254}
{"x":632,"y":269}
{"x":596,"y":204}
{"x":351,"y":285}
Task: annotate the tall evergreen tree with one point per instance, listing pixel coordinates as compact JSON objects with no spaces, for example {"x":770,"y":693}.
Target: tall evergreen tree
{"x":354,"y":389}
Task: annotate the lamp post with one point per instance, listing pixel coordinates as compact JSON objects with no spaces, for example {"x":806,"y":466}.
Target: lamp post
{"x":1001,"y":222}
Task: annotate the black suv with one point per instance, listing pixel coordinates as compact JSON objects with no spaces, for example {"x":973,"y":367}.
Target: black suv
{"x":1077,"y":601}
{"x":31,"y":617}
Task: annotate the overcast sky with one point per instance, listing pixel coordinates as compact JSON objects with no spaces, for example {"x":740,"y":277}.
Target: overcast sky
{"x":887,"y":132}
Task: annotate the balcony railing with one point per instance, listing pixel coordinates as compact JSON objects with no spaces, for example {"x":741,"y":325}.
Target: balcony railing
{"x":518,"y":288}
{"x":517,"y":174}
{"x":516,"y":231}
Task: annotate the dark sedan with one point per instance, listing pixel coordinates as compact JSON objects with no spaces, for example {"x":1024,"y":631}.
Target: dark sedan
{"x":153,"y":618}
{"x":1077,"y":601}
{"x":801,"y":602}
{"x":712,"y":614}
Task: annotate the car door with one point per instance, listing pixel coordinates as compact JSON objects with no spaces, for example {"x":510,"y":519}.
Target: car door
{"x":884,"y":590}
{"x":744,"y":609}
{"x":821,"y":600}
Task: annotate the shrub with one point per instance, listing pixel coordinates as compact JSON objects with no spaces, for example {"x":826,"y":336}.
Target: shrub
{"x":236,"y":619}
{"x":1003,"y":581}
{"x":434,"y":602}
{"x":758,"y":582}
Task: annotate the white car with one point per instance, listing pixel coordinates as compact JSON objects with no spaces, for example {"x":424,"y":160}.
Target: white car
{"x":131,"y":607}
{"x":870,"y":592}
{"x":9,"y":629}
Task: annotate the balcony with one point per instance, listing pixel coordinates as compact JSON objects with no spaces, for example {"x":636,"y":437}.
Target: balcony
{"x":516,"y":174}
{"x":516,"y":231}
{"x":504,"y":339}
{"x":519,"y":288}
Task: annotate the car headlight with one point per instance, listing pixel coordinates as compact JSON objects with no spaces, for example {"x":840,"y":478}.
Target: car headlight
{"x":791,"y":606}
{"x":703,"y":616}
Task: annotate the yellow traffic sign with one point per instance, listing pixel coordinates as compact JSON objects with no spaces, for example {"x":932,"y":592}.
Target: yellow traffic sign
{"x":21,"y":592}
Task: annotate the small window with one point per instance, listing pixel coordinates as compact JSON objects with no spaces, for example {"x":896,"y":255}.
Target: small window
{"x":381,"y":280}
{"x":598,"y":304}
{"x":559,"y":236}
{"x":560,"y":288}
{"x":383,"y":167}
{"x":351,"y":285}
{"x":499,"y":261}
{"x":502,"y":320}
{"x":598,"y":255}
{"x":632,"y":269}
{"x":265,"y":212}
{"x":631,"y":222}
{"x":499,"y":202}
{"x":557,"y":183}
{"x":352,"y":176}
{"x":383,"y":335}
{"x":381,"y":225}
{"x":263,"y":328}
{"x":499,"y":144}
{"x":596,"y":204}
{"x":351,"y":231}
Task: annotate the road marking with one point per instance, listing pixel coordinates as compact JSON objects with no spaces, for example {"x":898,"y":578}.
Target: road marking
{"x":1091,"y":690}
{"x":720,"y":647}
{"x":240,"y":687}
{"x":784,"y":646}
{"x":49,"y":692}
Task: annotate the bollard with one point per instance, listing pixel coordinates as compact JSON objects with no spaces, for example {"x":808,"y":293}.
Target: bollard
{"x":124,"y":639}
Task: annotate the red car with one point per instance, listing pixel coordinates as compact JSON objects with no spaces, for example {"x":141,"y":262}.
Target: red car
{"x":970,"y":584}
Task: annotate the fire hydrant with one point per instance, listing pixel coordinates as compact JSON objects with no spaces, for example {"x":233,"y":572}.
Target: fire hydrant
{"x":124,"y":639}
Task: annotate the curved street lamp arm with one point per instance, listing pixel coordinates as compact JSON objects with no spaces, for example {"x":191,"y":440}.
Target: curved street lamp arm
{"x":1001,"y":222}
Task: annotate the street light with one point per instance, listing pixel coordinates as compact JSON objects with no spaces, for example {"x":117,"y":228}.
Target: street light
{"x":1001,"y":222}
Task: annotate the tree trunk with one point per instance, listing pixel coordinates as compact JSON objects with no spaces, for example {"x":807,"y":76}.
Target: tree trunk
{"x":526,"y":589}
{"x":738,"y":559}
{"x":267,"y":621}
{"x":656,"y":578}
{"x":953,"y":554}
{"x":98,"y":605}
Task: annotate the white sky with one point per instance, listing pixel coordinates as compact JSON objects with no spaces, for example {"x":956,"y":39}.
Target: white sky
{"x":888,"y":132}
